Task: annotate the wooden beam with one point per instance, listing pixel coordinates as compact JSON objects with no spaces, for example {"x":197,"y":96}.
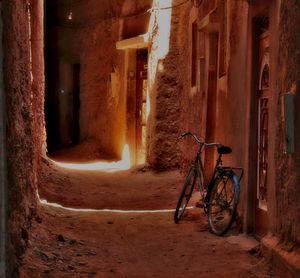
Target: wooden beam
{"x":133,"y":43}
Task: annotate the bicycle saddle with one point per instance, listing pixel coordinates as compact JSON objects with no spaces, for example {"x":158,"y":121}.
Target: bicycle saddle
{"x":224,"y":150}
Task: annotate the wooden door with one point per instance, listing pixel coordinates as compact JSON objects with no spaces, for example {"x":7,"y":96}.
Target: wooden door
{"x":76,"y":104}
{"x":141,"y":104}
{"x":263,"y":97}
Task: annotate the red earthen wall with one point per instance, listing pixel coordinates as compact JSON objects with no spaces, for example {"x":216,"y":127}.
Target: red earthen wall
{"x":102,"y":115}
{"x":175,"y":109}
{"x":164,"y":95}
{"x":178,"y":108}
{"x":24,"y":116}
{"x":287,"y":164}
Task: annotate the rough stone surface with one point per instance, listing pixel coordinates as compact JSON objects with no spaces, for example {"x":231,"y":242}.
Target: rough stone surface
{"x":173,"y":112}
{"x":22,"y":133}
{"x":288,"y":178}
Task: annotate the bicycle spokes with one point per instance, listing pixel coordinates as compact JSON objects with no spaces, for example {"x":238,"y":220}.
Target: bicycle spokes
{"x":185,"y":196}
{"x":222,"y":205}
{"x":219,"y":196}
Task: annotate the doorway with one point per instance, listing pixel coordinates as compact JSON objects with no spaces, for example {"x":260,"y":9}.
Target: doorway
{"x":141,"y":104}
{"x":263,"y":97}
{"x":62,"y":106}
{"x":76,"y":105}
{"x":62,"y":85}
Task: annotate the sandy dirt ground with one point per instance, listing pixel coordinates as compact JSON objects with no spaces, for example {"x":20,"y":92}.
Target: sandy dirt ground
{"x":130,"y":245}
{"x":137,"y":188}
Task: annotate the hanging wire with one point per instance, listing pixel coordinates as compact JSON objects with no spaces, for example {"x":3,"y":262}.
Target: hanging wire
{"x":78,"y":25}
{"x":153,"y":9}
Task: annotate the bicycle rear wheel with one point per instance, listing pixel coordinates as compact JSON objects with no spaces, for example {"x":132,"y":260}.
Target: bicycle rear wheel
{"x":185,"y":195}
{"x":223,"y":203}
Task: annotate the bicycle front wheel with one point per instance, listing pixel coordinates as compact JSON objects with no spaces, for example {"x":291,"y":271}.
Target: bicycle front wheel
{"x":185,"y":195}
{"x":223,"y":203}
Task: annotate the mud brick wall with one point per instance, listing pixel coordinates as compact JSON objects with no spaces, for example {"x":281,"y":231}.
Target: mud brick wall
{"x":174,"y":109}
{"x":287,"y":164}
{"x":23,"y":81}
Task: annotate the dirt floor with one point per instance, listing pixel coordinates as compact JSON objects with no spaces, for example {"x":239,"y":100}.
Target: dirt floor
{"x":130,"y":245}
{"x":137,"y":188}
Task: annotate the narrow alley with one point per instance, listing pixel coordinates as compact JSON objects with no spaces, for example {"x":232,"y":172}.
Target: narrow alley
{"x":154,"y":138}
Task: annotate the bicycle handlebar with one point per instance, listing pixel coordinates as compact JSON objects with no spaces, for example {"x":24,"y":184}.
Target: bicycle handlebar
{"x":200,"y":142}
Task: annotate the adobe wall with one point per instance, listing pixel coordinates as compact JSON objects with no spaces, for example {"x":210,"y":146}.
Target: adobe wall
{"x":91,"y":41}
{"x":23,"y":119}
{"x":3,"y":170}
{"x":180,"y":108}
{"x":288,"y":176}
{"x":232,"y":105}
{"x":192,"y":100}
{"x":173,"y":109}
{"x":102,"y":111}
{"x":232,"y":112}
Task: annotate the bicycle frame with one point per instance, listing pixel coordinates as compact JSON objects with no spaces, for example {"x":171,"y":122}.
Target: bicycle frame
{"x":201,"y":176}
{"x":219,"y":194}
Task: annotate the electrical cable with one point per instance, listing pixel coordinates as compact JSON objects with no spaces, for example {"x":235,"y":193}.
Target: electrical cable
{"x":73,"y":25}
{"x":155,"y":9}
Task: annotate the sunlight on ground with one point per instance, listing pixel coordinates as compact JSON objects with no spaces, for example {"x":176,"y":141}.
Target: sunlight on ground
{"x":114,"y":166}
{"x":46,"y":203}
{"x":123,"y":211}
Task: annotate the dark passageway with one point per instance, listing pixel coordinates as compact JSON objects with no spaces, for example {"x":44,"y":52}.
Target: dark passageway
{"x":62,"y":88}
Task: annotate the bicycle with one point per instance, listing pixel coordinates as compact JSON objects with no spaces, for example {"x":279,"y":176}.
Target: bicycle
{"x":219,"y":196}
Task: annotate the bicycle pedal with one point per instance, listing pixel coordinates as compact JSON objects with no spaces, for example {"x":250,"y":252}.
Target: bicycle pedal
{"x":199,"y":205}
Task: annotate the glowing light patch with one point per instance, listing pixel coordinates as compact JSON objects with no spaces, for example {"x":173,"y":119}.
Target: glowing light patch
{"x":159,"y":35}
{"x":44,"y":202}
{"x":148,"y":107}
{"x":114,"y":166}
{"x":164,"y":23}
